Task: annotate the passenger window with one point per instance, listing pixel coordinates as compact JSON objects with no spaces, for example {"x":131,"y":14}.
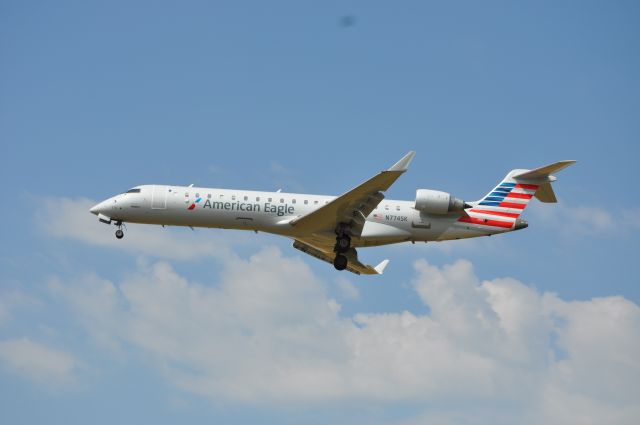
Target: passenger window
{"x":270,"y":199}
{"x":209,"y":195}
{"x":281,"y":201}
{"x":197,"y":195}
{"x":257,"y":199}
{"x":306,"y":202}
{"x":186,"y":194}
{"x":315,"y":202}
{"x":293,"y":201}
{"x":221,"y":196}
{"x":386,"y":207}
{"x":397,"y":207}
{"x":246,"y":198}
{"x":233,"y":197}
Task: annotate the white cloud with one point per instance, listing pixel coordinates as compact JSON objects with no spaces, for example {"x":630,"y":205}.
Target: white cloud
{"x":268,"y":333}
{"x":37,"y":361}
{"x":11,"y":300}
{"x":98,"y":301}
{"x":347,"y":288}
{"x":582,"y":220}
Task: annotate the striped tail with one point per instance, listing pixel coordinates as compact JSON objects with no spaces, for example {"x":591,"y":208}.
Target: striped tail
{"x":508,"y":199}
{"x":500,"y":209}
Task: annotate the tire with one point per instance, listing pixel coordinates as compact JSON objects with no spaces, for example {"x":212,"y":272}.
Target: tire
{"x":343,"y":244}
{"x":119,"y":234}
{"x":340,"y":262}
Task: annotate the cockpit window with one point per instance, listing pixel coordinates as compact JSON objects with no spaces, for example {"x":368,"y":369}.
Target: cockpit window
{"x":137,"y":190}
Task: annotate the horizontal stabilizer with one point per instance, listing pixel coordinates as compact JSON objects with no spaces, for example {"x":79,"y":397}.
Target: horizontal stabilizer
{"x":543,"y":172}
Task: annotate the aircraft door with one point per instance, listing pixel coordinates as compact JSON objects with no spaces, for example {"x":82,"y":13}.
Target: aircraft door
{"x":159,"y":198}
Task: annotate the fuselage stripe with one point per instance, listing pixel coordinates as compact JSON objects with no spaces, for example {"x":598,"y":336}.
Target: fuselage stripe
{"x":486,"y":222}
{"x":503,"y":214}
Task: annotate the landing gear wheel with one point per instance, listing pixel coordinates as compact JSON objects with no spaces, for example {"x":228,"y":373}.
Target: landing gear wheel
{"x":340,"y":262}
{"x":119,"y":234}
{"x":343,"y":243}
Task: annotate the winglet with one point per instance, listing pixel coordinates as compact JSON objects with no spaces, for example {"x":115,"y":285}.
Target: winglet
{"x":403,"y":164}
{"x":380,"y":267}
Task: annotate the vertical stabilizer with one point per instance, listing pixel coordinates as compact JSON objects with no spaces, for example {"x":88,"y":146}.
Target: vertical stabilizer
{"x":502,"y":207}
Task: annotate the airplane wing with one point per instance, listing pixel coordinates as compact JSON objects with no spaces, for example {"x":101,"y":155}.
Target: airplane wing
{"x":354,"y":266}
{"x":352,"y":208}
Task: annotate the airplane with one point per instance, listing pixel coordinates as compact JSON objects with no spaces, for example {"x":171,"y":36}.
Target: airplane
{"x":331,"y":228}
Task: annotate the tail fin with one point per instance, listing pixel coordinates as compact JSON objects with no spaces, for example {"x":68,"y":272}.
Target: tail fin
{"x":545,"y":191}
{"x":511,"y":196}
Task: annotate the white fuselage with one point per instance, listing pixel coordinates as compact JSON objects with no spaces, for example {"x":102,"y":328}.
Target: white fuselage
{"x":392,"y":221}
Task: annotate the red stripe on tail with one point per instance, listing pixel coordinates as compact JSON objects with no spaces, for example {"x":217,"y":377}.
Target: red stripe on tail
{"x":527,"y":186}
{"x":519,"y":195}
{"x":512,"y":205}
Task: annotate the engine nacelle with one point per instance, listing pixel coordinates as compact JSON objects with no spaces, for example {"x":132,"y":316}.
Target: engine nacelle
{"x":437,"y":202}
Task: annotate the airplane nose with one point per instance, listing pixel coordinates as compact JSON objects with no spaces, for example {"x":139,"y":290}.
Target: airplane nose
{"x":99,"y":208}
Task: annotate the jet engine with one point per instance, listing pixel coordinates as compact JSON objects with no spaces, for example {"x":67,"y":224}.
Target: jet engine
{"x":437,"y":202}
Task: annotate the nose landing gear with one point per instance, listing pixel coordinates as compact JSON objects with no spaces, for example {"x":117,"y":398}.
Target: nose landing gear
{"x":119,"y":232}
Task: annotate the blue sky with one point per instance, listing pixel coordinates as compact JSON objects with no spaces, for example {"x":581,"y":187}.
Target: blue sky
{"x":171,"y":325}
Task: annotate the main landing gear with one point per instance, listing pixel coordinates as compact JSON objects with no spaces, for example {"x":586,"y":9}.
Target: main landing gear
{"x":119,"y":232}
{"x":340,"y":262}
{"x":343,"y":244}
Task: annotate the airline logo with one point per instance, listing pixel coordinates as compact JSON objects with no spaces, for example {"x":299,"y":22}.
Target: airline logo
{"x":193,"y":204}
{"x":501,"y":207}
